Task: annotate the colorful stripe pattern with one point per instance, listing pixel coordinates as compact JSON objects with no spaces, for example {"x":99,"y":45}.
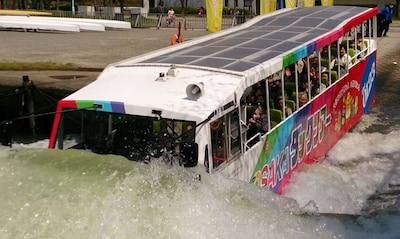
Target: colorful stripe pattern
{"x":303,"y":51}
{"x":99,"y":105}
{"x":309,"y":134}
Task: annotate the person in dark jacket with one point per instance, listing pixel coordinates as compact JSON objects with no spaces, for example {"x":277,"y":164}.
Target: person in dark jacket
{"x":160,"y":12}
{"x":385,"y":19}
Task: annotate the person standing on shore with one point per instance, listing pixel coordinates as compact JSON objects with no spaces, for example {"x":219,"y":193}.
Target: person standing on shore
{"x":171,"y":16}
{"x":160,"y":12}
{"x":386,"y":19}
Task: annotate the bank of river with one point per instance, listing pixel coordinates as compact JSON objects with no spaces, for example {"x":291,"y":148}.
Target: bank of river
{"x":94,"y":50}
{"x":89,"y":51}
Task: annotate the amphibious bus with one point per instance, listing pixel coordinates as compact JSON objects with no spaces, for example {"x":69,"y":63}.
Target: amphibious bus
{"x":253,"y":102}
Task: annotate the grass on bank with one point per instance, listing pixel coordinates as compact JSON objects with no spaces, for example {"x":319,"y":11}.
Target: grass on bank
{"x":36,"y":66}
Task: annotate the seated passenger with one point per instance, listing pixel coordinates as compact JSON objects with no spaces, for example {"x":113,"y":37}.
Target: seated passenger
{"x":360,"y":42}
{"x":279,"y":106}
{"x":188,"y":134}
{"x":314,"y":67}
{"x":303,"y":98}
{"x":352,"y":45}
{"x":260,"y":101}
{"x":305,"y":86}
{"x":325,"y":52}
{"x":344,"y":58}
{"x":251,"y":99}
{"x":289,"y":77}
{"x":275,"y":88}
{"x":356,"y":48}
{"x":258,"y":123}
{"x":324,"y":81}
{"x":319,"y":86}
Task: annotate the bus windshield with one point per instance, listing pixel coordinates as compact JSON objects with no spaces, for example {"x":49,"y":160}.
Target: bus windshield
{"x":134,"y":137}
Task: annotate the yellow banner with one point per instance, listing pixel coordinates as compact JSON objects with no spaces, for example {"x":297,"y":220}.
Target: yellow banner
{"x":290,"y":3}
{"x":214,"y":15}
{"x":327,"y":2}
{"x":267,"y":6}
{"x":308,"y":3}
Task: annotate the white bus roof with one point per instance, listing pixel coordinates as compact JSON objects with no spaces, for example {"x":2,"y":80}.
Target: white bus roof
{"x":226,"y":62}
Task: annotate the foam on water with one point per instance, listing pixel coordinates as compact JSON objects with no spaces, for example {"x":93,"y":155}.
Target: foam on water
{"x":77,"y":194}
{"x":353,"y":193}
{"x":360,"y":176}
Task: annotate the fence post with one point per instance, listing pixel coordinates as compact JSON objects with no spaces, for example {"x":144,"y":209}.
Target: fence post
{"x":136,"y":17}
{"x":138,"y":20}
{"x":159,"y":20}
{"x":29,"y":103}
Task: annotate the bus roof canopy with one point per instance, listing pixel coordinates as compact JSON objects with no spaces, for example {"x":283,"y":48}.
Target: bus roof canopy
{"x":222,"y":64}
{"x":288,"y":34}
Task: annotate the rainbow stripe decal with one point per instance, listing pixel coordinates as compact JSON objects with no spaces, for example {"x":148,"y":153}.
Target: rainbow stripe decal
{"x":310,"y":133}
{"x":106,"y":106}
{"x":304,"y":51}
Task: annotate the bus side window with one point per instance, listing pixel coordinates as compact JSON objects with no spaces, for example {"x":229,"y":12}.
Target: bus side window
{"x":218,"y":143}
{"x":234,"y":133}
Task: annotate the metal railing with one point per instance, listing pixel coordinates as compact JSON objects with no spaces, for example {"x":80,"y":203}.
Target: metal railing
{"x":188,"y":22}
{"x":152,"y":20}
